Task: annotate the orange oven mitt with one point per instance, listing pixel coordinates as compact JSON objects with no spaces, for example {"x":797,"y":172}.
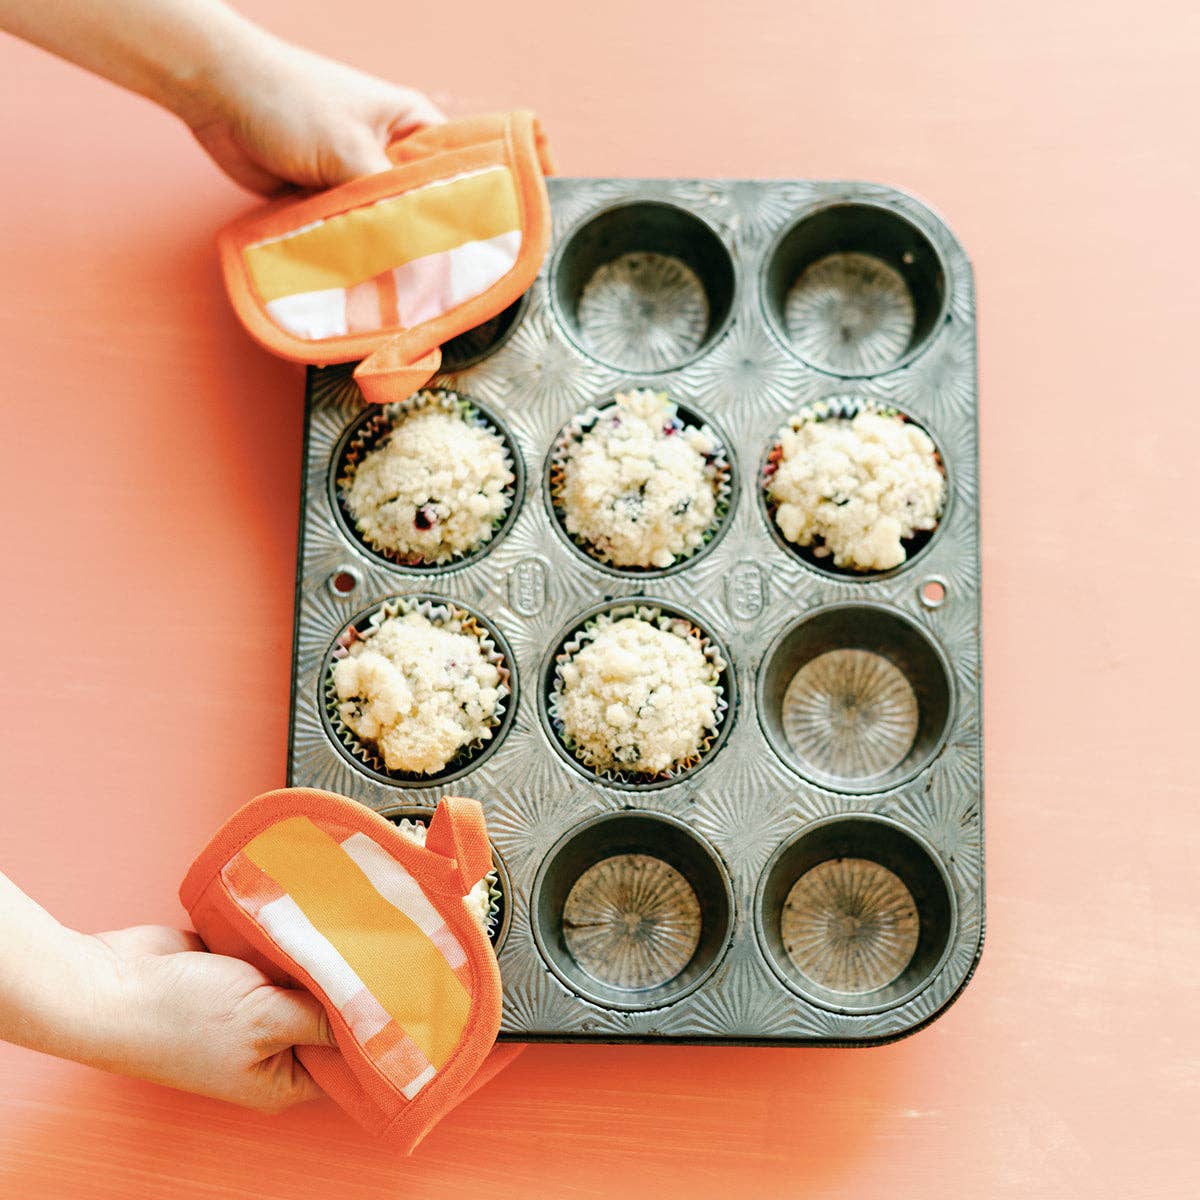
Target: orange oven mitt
{"x":389,"y":267}
{"x":319,"y":892}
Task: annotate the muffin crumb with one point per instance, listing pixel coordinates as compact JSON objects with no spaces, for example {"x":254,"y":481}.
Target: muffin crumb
{"x":855,"y":489}
{"x":637,"y":697}
{"x":639,"y":486}
{"x":418,"y":691}
{"x":434,"y":487}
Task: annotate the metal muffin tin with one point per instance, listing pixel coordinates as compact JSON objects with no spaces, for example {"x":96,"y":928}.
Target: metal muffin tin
{"x":616,"y":306}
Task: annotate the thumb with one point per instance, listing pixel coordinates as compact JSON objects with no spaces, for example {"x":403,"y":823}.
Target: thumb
{"x":297,"y":1019}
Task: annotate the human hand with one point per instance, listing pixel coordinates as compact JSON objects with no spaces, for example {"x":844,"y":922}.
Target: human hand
{"x":271,"y":114}
{"x":172,"y":1013}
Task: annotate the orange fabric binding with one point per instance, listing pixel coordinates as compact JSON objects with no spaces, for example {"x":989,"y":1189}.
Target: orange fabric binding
{"x":321,"y":893}
{"x":389,"y":267}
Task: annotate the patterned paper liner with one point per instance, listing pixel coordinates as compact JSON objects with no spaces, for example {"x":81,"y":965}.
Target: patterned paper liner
{"x":717,"y":468}
{"x":671,"y":623}
{"x":841,"y":408}
{"x":443,"y":613}
{"x":373,"y":431}
{"x":408,"y":827}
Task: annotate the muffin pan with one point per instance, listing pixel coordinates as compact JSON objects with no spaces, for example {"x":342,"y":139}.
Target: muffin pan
{"x":816,"y":876}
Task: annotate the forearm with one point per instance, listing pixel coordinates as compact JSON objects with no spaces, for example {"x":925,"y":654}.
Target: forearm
{"x":166,"y":50}
{"x":270,"y":114}
{"x":56,"y":986}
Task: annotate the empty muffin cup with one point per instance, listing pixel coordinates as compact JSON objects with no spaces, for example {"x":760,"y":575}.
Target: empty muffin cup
{"x":663,"y":617}
{"x":817,"y":554}
{"x":855,"y":697}
{"x":370,"y":431}
{"x":643,"y":286}
{"x":632,"y":910}
{"x":365,"y":753}
{"x":680,"y":420}
{"x":855,"y":913}
{"x":474,"y":345}
{"x":855,"y":288}
{"x":489,"y":898}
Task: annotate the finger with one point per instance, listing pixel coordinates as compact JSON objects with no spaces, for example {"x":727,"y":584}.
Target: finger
{"x":363,"y":156}
{"x":180,"y":940}
{"x":423,"y":111}
{"x":413,"y":113}
{"x":304,"y":1086}
{"x":280,"y":1082}
{"x":223,"y":149}
{"x":252,"y":177}
{"x":295,"y":1018}
{"x":150,"y":939}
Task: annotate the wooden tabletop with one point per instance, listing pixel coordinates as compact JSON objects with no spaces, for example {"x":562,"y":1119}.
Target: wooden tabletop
{"x":150,"y":490}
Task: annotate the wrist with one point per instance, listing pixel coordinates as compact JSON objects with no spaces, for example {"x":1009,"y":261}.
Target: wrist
{"x":61,"y":989}
{"x":85,"y":1001}
{"x":205,"y":77}
{"x":63,"y":992}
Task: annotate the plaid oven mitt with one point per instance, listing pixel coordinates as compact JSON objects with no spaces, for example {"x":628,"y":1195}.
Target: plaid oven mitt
{"x":389,"y":267}
{"x":320,"y":892}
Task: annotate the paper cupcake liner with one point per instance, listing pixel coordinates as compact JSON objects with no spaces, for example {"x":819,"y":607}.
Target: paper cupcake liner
{"x":439,"y":612}
{"x":839,"y":408}
{"x":381,"y":423}
{"x":495,"y":895}
{"x":718,"y":469}
{"x":672,"y":623}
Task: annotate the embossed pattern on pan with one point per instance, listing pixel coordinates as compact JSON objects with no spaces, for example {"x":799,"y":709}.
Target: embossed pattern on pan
{"x":850,"y":773}
{"x":632,"y":921}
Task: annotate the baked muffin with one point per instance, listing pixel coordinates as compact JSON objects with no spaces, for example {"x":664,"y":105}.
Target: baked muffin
{"x":639,"y":488}
{"x":433,"y":488}
{"x":481,"y":899}
{"x":419,"y":692}
{"x":638,"y":697}
{"x":855,"y":488}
